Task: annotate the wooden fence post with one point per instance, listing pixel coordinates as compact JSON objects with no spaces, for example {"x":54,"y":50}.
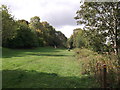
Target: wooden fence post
{"x":104,"y":76}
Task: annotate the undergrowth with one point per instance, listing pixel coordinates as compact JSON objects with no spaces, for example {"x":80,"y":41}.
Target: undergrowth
{"x":92,"y":63}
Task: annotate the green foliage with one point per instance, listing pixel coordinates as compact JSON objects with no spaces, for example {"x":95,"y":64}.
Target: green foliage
{"x":35,"y":23}
{"x":95,"y":41}
{"x":101,"y":20}
{"x":70,"y":42}
{"x":22,"y":34}
{"x":53,"y":37}
{"x":60,"y":39}
{"x":78,"y":39}
{"x":47,"y":35}
{"x":25,"y":38}
{"x":8,"y":26}
{"x":40,"y":41}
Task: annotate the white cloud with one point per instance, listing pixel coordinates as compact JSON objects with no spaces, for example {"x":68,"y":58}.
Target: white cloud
{"x":68,"y":30}
{"x":59,"y":13}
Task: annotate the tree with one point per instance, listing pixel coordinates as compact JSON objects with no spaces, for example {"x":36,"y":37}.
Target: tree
{"x":8,"y":26}
{"x":35,"y":23}
{"x":23,"y":22}
{"x":37,"y":27}
{"x":78,"y":38}
{"x":25,"y":37}
{"x":53,"y":37}
{"x":60,"y":39}
{"x":70,"y":42}
{"x":102,"y":18}
{"x":22,"y":34}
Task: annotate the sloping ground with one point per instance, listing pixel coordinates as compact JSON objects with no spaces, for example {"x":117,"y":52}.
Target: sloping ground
{"x":43,"y":68}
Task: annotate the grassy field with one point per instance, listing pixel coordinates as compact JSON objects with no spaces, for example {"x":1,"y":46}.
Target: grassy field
{"x":42,"y":68}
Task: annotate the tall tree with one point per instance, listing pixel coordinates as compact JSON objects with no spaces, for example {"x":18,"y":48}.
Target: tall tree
{"x":78,"y":38}
{"x":102,"y":18}
{"x":37,"y":27}
{"x":61,"y":39}
{"x":35,"y":23}
{"x":24,"y":38}
{"x":8,"y":25}
{"x":70,"y":42}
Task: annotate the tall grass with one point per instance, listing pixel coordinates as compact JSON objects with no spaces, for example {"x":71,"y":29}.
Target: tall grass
{"x":92,"y":64}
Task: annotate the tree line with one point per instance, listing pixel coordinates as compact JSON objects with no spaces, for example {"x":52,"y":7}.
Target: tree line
{"x":24,"y":34}
{"x":102,"y":27}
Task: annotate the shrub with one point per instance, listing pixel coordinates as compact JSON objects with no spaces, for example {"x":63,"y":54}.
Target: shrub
{"x":92,"y":64}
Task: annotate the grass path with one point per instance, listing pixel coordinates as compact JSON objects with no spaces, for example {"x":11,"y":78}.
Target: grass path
{"x":42,"y":67}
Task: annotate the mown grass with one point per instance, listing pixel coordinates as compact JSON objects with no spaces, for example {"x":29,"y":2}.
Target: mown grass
{"x":43,"y":68}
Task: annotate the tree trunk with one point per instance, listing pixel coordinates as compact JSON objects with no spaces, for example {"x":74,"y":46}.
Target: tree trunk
{"x":115,"y":31}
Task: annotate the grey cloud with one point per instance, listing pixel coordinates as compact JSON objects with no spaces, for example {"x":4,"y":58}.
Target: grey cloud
{"x":62,"y":17}
{"x":59,"y":19}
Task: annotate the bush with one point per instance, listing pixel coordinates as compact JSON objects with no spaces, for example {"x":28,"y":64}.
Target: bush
{"x":92,"y":64}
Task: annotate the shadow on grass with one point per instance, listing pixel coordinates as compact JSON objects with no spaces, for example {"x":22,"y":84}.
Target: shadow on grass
{"x":54,"y":55}
{"x":8,"y":53}
{"x":33,"y":79}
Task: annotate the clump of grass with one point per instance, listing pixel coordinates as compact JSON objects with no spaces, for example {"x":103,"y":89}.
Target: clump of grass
{"x":92,"y":64}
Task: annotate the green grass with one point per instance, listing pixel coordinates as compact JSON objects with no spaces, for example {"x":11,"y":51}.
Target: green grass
{"x":42,"y":68}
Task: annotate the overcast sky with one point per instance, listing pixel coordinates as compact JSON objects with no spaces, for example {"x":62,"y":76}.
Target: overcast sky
{"x":59,"y":13}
